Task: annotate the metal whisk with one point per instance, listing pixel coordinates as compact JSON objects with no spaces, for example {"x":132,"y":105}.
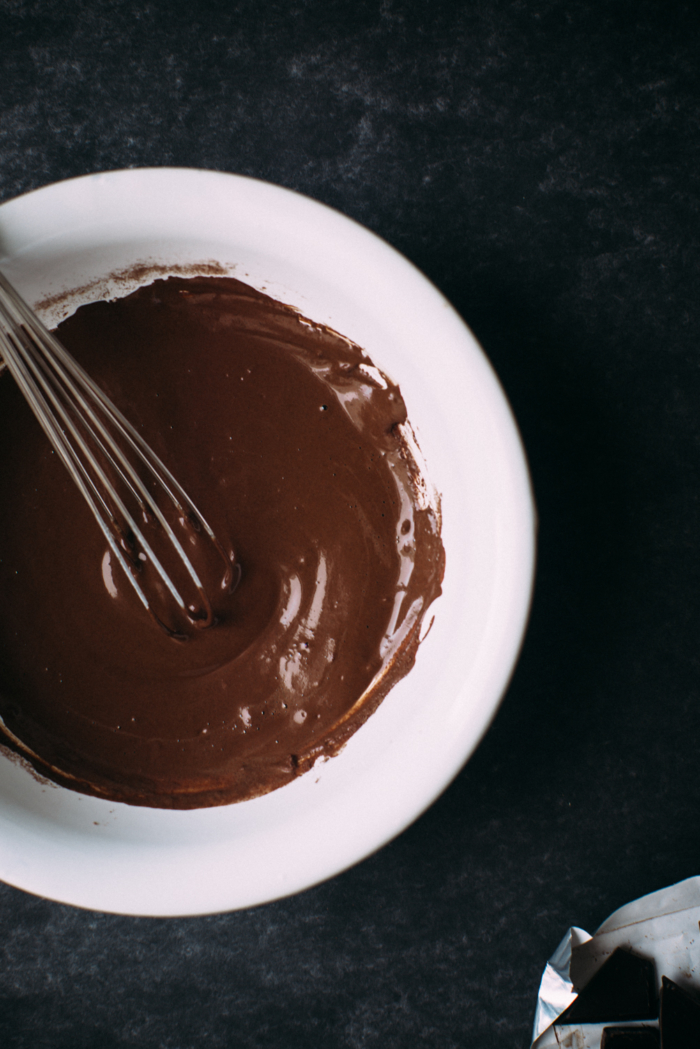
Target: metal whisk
{"x":119,"y":475}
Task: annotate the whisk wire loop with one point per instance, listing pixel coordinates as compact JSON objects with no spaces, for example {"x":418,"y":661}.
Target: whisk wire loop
{"x":88,"y":431}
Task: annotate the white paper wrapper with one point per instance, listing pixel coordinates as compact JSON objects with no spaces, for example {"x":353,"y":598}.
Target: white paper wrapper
{"x":664,"y":926}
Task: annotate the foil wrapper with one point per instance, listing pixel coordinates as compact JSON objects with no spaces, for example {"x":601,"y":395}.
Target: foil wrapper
{"x":664,"y":926}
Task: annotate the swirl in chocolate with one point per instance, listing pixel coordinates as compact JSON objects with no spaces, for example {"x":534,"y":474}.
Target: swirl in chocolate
{"x":295,"y":448}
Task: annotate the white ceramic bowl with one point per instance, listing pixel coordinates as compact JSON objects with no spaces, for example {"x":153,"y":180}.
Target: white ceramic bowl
{"x":106,"y":856}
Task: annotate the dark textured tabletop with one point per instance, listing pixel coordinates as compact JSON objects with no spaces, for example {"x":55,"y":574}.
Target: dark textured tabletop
{"x":539,"y":160}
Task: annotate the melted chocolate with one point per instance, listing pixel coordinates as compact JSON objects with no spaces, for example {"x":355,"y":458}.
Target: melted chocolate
{"x":294,"y":447}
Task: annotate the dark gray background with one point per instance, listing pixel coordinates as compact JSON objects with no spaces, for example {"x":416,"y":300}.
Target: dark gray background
{"x":539,"y":162}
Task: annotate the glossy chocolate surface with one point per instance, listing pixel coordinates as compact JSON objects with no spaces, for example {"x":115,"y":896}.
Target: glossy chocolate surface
{"x":295,"y":449}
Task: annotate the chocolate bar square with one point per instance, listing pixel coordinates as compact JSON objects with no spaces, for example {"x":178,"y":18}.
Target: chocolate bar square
{"x":624,"y":988}
{"x":630,"y":1038}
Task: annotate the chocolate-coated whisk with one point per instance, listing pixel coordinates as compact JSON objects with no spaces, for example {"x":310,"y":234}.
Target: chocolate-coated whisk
{"x":117,"y":472}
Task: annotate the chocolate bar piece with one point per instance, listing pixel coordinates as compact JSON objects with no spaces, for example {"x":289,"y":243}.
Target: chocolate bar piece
{"x":624,"y":988}
{"x":630,"y":1038}
{"x":680,"y":1017}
